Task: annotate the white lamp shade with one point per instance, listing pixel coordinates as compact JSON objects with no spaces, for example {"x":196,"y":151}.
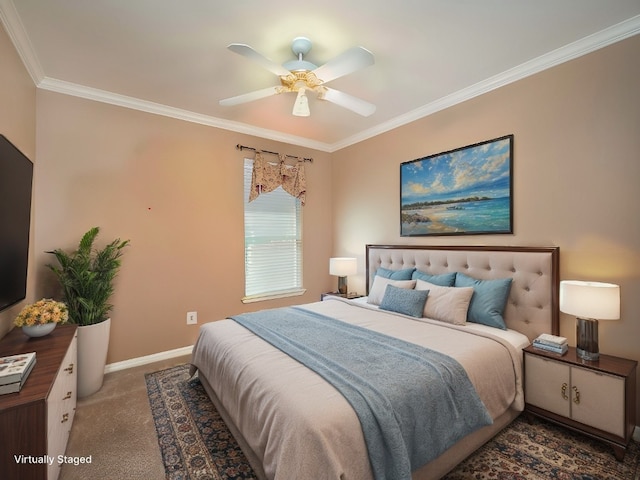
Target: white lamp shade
{"x":600,"y":301}
{"x":343,"y":266}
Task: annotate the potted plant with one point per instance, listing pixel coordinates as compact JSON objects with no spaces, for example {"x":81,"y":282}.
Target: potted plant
{"x":86,"y":277}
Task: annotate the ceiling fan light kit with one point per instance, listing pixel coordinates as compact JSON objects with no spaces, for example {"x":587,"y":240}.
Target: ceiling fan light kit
{"x":301,"y":106}
{"x":300,"y":76}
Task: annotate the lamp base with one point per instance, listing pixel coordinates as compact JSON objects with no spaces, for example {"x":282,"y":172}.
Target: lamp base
{"x":587,"y":339}
{"x":342,"y":285}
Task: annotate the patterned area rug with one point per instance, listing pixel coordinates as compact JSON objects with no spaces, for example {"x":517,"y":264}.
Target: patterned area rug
{"x":196,"y":444}
{"x":194,"y":441}
{"x":543,"y":451}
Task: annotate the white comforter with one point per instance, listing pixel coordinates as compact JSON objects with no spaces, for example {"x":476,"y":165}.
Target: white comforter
{"x":301,"y":427}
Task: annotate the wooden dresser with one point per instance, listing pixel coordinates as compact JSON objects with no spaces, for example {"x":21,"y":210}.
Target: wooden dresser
{"x":37,"y":420}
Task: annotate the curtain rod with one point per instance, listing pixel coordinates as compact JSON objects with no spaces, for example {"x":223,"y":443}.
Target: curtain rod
{"x":243,"y":147}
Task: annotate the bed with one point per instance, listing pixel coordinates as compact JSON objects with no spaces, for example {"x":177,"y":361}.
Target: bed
{"x":292,"y":423}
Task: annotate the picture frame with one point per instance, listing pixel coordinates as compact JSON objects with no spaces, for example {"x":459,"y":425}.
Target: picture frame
{"x":466,"y":191}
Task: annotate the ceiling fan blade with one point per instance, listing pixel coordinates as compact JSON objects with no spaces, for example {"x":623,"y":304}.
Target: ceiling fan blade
{"x":251,"y":54}
{"x":347,"y":101}
{"x":250,"y":97}
{"x":347,"y":62}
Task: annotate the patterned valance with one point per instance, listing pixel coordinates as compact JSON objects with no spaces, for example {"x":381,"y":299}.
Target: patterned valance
{"x":268,"y":176}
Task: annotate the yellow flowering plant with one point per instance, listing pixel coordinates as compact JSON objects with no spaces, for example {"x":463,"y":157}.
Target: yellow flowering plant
{"x":41,"y":312}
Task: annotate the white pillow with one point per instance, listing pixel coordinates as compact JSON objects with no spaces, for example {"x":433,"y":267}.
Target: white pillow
{"x":380,"y":284}
{"x":447,"y":304}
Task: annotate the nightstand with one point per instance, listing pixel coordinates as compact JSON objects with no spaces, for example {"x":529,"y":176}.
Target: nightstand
{"x":595,"y":398}
{"x":350,"y":295}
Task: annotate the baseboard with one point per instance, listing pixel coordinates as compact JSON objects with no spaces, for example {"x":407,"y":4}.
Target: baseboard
{"x":155,"y":357}
{"x":636,"y":433}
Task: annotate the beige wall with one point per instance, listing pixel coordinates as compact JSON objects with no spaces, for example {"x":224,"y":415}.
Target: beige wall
{"x":17,"y":123}
{"x":175,"y":189}
{"x":576,"y":176}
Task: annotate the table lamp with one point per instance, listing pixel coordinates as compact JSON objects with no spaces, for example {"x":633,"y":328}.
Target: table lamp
{"x":589,"y":302}
{"x":343,"y":266}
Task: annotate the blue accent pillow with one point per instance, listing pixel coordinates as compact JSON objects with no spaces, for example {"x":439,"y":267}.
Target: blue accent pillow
{"x":442,"y":279}
{"x":488,"y":300}
{"x":405,"y":301}
{"x":404,"y":274}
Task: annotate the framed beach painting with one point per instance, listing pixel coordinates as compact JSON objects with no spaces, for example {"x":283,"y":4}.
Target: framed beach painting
{"x":466,"y":191}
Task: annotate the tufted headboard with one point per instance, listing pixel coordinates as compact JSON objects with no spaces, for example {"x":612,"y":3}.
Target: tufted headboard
{"x":533,"y":304}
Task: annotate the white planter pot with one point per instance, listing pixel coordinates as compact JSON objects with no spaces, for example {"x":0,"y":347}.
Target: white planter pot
{"x":93,"y":343}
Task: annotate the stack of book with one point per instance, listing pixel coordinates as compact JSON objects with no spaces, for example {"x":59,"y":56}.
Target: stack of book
{"x":14,"y":371}
{"x":551,"y":343}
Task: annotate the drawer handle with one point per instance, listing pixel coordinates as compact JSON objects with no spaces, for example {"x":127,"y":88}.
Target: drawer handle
{"x":67,"y":396}
{"x":576,"y":398}
{"x":564,"y":391}
{"x":69,"y":369}
{"x":65,"y":418}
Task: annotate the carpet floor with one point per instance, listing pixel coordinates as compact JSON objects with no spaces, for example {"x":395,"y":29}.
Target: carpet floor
{"x":195,"y":443}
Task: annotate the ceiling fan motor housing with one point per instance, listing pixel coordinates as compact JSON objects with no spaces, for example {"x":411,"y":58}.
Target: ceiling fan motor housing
{"x":300,"y":46}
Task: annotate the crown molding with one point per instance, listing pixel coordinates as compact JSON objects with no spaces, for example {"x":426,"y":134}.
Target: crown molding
{"x":591,"y":43}
{"x":18,"y":35}
{"x":15,"y":29}
{"x":95,"y":94}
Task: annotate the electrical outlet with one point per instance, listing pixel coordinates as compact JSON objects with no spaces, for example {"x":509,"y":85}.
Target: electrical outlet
{"x":192,"y":318}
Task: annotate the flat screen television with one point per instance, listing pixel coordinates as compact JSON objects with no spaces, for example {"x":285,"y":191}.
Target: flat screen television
{"x":16,"y":175}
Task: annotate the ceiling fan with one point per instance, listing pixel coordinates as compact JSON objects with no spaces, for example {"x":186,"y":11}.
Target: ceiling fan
{"x":300,"y":76}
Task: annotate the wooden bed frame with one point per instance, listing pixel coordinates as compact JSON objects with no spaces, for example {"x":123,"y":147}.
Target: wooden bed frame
{"x":532,"y":308}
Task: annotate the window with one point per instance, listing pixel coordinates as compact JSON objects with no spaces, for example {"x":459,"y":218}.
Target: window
{"x":272,"y":243}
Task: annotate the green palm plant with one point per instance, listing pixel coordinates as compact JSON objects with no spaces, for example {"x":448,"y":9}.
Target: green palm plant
{"x":86,"y":276}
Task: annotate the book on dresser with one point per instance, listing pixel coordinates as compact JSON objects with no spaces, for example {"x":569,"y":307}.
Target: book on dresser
{"x":17,"y":386}
{"x":15,"y":368}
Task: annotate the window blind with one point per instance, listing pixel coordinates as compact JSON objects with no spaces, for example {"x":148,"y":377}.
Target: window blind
{"x":272,"y":242}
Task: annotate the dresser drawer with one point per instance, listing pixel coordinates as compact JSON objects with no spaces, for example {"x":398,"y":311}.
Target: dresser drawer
{"x":61,"y":408}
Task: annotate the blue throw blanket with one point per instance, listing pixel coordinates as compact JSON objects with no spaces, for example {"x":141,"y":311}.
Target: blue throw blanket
{"x":413,"y":403}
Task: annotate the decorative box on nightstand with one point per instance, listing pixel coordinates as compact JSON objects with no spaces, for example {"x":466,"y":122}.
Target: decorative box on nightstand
{"x":596,"y":398}
{"x":350,"y":295}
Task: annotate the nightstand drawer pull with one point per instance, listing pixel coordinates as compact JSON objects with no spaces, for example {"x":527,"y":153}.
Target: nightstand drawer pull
{"x":576,"y":398}
{"x":564,"y":391}
{"x":65,"y":418}
{"x":69,"y":368}
{"x":67,"y":396}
